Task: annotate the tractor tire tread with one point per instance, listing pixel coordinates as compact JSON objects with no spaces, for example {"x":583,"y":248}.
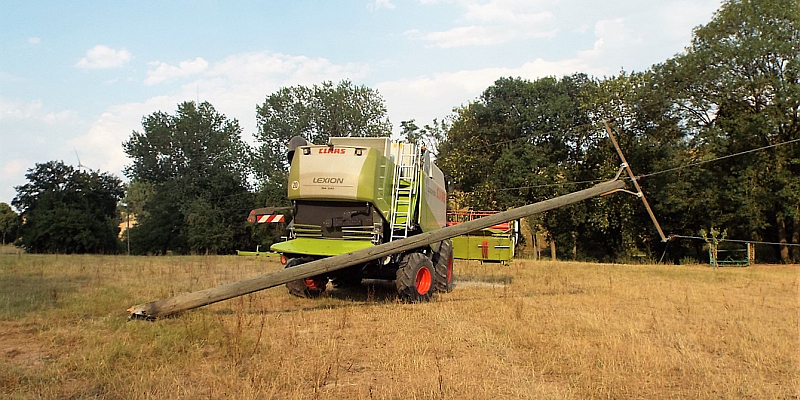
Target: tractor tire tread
{"x":406,"y":277}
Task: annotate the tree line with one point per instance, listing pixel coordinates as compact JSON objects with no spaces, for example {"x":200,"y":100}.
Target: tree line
{"x":713,"y":132}
{"x":735,"y":89}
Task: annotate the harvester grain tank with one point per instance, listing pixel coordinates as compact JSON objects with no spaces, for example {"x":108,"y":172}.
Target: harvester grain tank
{"x":356,"y":193}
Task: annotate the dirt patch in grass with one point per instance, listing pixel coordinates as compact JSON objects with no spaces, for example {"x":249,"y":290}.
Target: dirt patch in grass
{"x":10,"y":249}
{"x":21,"y":346}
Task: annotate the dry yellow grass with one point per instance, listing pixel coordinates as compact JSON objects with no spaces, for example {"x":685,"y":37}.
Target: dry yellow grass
{"x":538,"y":330}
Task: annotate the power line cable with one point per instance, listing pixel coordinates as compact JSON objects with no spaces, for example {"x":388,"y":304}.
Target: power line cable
{"x":644,"y":175}
{"x":719,"y":158}
{"x":734,"y":240}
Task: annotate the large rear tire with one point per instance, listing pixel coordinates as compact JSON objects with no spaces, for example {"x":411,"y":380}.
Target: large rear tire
{"x":443,"y":267}
{"x":310,"y":287}
{"x":415,"y":278}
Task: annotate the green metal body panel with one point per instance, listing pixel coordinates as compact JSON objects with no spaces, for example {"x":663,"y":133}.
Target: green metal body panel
{"x":495,"y":243}
{"x":257,"y":253}
{"x":433,"y":205}
{"x":322,"y":175}
{"x":320,"y":247}
{"x":729,"y":259}
{"x":484,"y":248}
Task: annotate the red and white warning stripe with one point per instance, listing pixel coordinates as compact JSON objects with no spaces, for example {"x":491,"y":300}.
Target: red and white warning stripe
{"x":265,"y":219}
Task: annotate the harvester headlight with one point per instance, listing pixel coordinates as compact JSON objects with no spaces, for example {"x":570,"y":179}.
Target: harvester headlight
{"x":306,"y":151}
{"x":359,"y":152}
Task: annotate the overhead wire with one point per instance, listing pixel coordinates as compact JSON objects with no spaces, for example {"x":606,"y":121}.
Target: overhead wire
{"x":734,"y":240}
{"x":719,"y":158}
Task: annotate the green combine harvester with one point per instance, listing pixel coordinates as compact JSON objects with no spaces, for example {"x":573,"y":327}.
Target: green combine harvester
{"x":363,"y":208}
{"x":356,"y":193}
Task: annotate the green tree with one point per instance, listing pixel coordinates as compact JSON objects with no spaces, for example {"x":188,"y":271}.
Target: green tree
{"x":9,"y":223}
{"x":650,"y":136}
{"x":189,"y":181}
{"x":524,"y":142}
{"x":431,"y":135}
{"x":737,"y":88}
{"x":315,"y":113}
{"x":137,"y":195}
{"x":68,"y":211}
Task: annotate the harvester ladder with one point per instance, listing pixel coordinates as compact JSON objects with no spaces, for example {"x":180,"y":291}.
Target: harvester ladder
{"x":405,"y":187}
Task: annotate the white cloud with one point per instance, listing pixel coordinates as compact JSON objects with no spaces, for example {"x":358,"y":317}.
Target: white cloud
{"x":101,"y":147}
{"x":614,"y":45}
{"x":34,"y":110}
{"x":427,"y":97}
{"x":16,"y":166}
{"x":240,"y":82}
{"x":505,"y":12}
{"x":165,"y":72}
{"x":234,"y":85}
{"x":100,"y":57}
{"x":34,"y":40}
{"x":12,"y":174}
{"x":276,"y":68}
{"x":6,"y":78}
{"x":19,"y":110}
{"x":679,"y":18}
{"x":494,"y":22}
{"x":60,"y":117}
{"x":481,"y":35}
{"x":378,"y":4}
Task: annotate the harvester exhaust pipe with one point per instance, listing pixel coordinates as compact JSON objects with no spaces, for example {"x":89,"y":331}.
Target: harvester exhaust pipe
{"x":294,"y":143}
{"x":188,"y":301}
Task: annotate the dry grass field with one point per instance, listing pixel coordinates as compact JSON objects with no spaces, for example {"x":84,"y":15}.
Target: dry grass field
{"x":539,"y":330}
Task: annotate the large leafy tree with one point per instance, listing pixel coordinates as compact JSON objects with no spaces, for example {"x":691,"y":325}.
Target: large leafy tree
{"x":189,"y":176}
{"x":531,"y":128}
{"x":68,"y":211}
{"x":315,"y":113}
{"x":431,"y":135}
{"x":738,"y":88}
{"x":524,"y":142}
{"x":639,"y":112}
{"x":9,"y":223}
{"x":735,"y":89}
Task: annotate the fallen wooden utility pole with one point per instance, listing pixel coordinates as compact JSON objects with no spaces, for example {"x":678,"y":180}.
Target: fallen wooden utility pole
{"x":188,"y":301}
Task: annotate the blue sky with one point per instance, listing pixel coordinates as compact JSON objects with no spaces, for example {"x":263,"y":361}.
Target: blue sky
{"x":76,"y":79}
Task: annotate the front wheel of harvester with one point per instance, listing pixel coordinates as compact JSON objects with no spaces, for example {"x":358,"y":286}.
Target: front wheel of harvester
{"x":308,"y":287}
{"x":443,"y":267}
{"x":415,"y":278}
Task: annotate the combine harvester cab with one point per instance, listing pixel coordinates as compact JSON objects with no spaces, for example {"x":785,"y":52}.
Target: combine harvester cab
{"x":356,"y":193}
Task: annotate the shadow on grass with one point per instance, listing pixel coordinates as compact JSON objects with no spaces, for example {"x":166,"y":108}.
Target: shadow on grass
{"x":371,"y":292}
{"x":31,"y":292}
